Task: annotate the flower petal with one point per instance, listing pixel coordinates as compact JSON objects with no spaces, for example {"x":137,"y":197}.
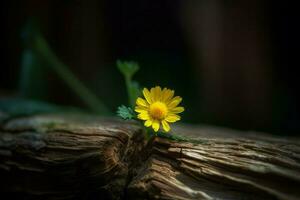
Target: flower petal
{"x":143,"y":116}
{"x":177,"y":110}
{"x":167,"y":95}
{"x":165,"y":126}
{"x":148,"y":123}
{"x":155,"y":125}
{"x":158,"y":93}
{"x":155,"y":93}
{"x":172,"y":118}
{"x":140,"y":109}
{"x":147,"y":95}
{"x":174,"y":102}
{"x":142,"y":102}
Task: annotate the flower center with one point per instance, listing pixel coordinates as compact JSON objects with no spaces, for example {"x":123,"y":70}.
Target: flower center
{"x":158,"y":110}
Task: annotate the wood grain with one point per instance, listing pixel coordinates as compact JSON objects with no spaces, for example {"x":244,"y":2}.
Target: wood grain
{"x":86,"y":157}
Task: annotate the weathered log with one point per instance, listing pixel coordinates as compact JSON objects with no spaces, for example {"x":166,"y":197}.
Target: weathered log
{"x":86,"y":157}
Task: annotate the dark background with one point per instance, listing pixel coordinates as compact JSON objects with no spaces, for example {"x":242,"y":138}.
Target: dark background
{"x":233,"y":62}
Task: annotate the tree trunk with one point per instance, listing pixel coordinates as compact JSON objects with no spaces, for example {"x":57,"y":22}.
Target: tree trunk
{"x":85,"y":157}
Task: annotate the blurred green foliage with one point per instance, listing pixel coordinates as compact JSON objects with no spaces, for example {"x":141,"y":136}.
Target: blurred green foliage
{"x":128,"y":69}
{"x":38,"y":58}
{"x":18,"y":107}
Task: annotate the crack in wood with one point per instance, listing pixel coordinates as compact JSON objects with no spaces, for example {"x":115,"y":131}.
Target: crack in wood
{"x":59,"y":157}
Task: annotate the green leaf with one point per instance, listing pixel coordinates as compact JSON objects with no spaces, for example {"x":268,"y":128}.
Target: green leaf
{"x":179,"y":138}
{"x":125,"y":112}
{"x":128,"y":69}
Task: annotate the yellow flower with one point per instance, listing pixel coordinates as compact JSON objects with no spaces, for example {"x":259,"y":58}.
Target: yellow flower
{"x":158,"y":108}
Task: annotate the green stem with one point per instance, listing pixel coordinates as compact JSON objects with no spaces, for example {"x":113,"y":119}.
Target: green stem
{"x":131,"y":99}
{"x":89,"y":98}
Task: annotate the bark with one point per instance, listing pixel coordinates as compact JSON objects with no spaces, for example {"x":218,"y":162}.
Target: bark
{"x":85,"y":157}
